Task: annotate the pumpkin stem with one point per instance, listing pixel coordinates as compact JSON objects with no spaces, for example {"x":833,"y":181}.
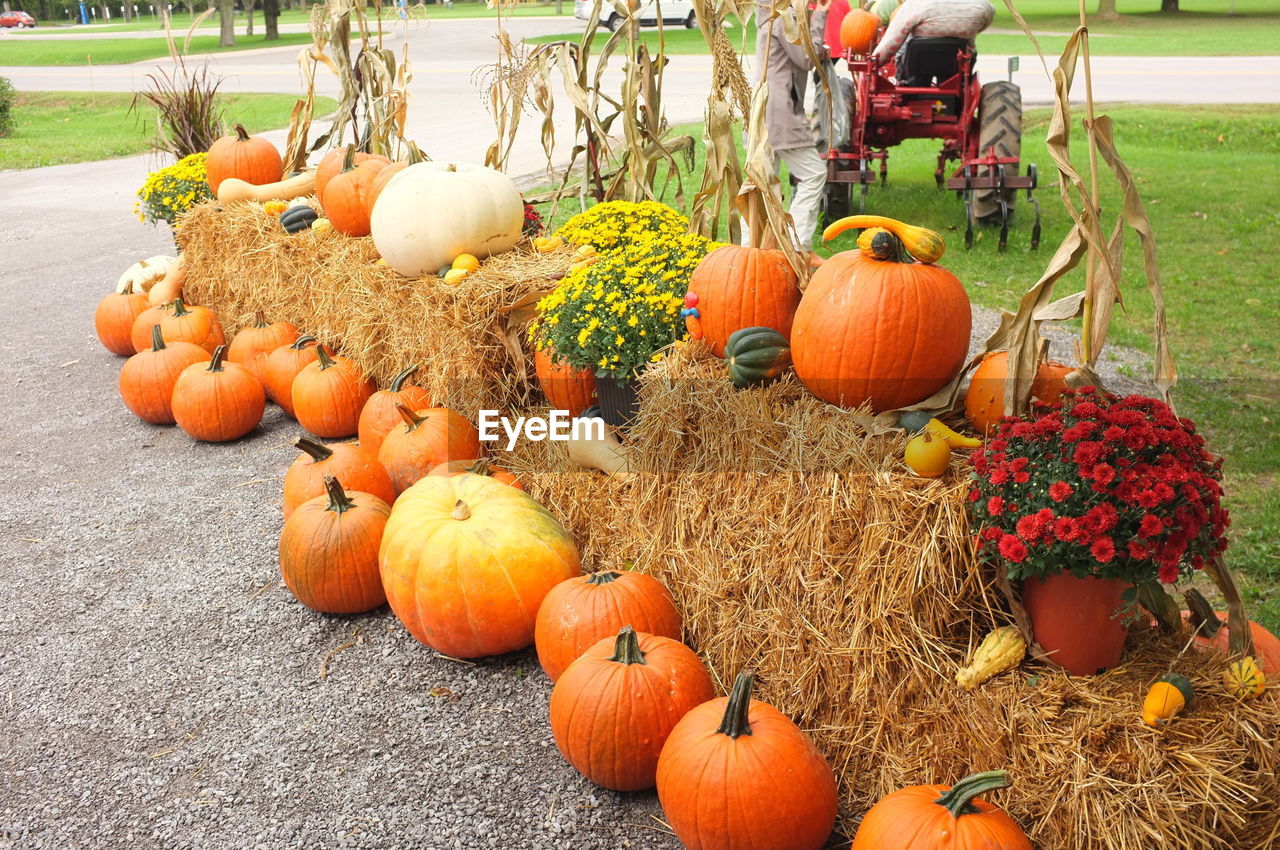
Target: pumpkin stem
{"x":627,"y":648}
{"x":157,"y":341}
{"x":1200,"y":614}
{"x":453,"y":166}
{"x":412,"y":419}
{"x":259,"y":319}
{"x":242,"y":135}
{"x":318,"y":451}
{"x":326,"y":361}
{"x":883,"y":245}
{"x":349,"y":160}
{"x":339,"y":501}
{"x":398,"y":381}
{"x":605,"y":577}
{"x":736,"y":722}
{"x":959,"y":798}
{"x":179,"y":307}
{"x":461,"y":511}
{"x":302,"y":342}
{"x":215,"y":363}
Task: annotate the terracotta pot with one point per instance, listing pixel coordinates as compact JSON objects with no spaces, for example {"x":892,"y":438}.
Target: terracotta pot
{"x":1077,"y":620}
{"x":619,"y":401}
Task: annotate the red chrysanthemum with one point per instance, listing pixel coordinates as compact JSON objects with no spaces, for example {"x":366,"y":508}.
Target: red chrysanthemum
{"x":1013,"y":549}
{"x":1060,"y":490}
{"x":1104,"y":549}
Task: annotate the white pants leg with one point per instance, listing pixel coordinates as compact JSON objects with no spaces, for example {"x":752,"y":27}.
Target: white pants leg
{"x":807,"y":166}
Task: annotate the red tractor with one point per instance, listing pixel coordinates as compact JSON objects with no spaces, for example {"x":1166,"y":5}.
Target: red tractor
{"x":931,"y":91}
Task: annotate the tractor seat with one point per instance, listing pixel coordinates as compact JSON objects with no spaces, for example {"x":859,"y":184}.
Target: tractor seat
{"x":928,"y":61}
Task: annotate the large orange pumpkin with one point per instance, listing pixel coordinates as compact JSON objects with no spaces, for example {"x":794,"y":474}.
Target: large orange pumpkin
{"x":140,"y":332}
{"x":283,"y":365}
{"x":565,"y":386}
{"x":251,"y":346}
{"x":332,"y":163}
{"x":218,"y":401}
{"x":466,"y":561}
{"x":739,"y":287}
{"x":345,"y":197}
{"x":329,"y":551}
{"x":1213,"y":631}
{"x":349,"y":462}
{"x":147,"y":379}
{"x":586,"y":609}
{"x":329,"y":394}
{"x":938,"y":817}
{"x":114,"y":317}
{"x":190,"y":323}
{"x":252,"y":159}
{"x":613,"y":708}
{"x":875,"y":327}
{"x":379,"y":415}
{"x":984,"y":402}
{"x":424,"y":440}
{"x":858,"y":30}
{"x":738,"y":773}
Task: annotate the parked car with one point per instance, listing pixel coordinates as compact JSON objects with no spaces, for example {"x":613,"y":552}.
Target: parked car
{"x":674,"y":13}
{"x":21,"y":20}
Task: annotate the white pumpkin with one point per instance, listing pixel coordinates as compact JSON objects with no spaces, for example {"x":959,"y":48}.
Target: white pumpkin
{"x":144,"y":273}
{"x":431,"y":212}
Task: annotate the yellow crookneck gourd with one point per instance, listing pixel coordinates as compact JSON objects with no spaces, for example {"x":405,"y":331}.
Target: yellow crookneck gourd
{"x":921,"y":243}
{"x":1170,"y":694}
{"x":1002,"y":649}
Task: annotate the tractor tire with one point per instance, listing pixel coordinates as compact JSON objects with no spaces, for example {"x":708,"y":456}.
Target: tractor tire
{"x":999,"y":126}
{"x":615,"y":22}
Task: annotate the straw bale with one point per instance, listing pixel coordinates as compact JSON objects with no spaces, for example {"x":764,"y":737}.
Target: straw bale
{"x":240,"y":260}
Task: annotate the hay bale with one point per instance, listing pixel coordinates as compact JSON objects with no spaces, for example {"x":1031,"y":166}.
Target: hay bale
{"x":798,"y":546}
{"x":239,"y":260}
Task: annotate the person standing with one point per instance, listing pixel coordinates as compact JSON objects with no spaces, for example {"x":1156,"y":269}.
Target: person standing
{"x":786,"y":68}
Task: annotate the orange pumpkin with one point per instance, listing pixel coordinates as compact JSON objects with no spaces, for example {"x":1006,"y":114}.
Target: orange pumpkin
{"x":329,"y":551}
{"x":113,"y":319}
{"x":219,"y":401}
{"x":283,"y":365}
{"x":329,"y":394}
{"x":737,"y":773}
{"x":252,"y":159}
{"x":738,"y":287}
{"x":424,"y":440}
{"x":858,"y":30}
{"x":984,"y":402}
{"x":346,"y":196}
{"x":384,"y":176}
{"x":332,"y":163}
{"x":147,"y":379}
{"x":614,"y":707}
{"x":477,"y":466}
{"x":586,"y":609}
{"x":466,"y":562}
{"x":192,"y":324}
{"x":1213,"y":631}
{"x":938,"y":817}
{"x":878,"y":328}
{"x":140,"y":332}
{"x":349,"y":462}
{"x":565,"y":386}
{"x":379,"y":414}
{"x":251,"y":346}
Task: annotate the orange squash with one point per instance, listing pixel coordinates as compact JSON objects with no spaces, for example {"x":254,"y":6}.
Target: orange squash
{"x":379,"y":414}
{"x":1214,"y":632}
{"x":566,"y":387}
{"x":424,"y":440}
{"x":984,"y":401}
{"x":219,"y":401}
{"x":252,"y":159}
{"x":329,"y":394}
{"x":858,"y":30}
{"x":113,"y":319}
{"x":283,"y":365}
{"x":938,"y":817}
{"x":251,"y":346}
{"x":349,"y":462}
{"x":345,"y":197}
{"x":737,"y":287}
{"x":147,"y":379}
{"x":140,"y":332}
{"x":193,"y":324}
{"x":332,"y":163}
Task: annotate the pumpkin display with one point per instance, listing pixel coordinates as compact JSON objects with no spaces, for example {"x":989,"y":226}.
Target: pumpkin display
{"x":566,"y":387}
{"x":140,"y":333}
{"x":169,"y":287}
{"x":477,"y":466}
{"x":737,"y":773}
{"x":984,"y":400}
{"x":299,"y":218}
{"x":614,"y":707}
{"x":580,"y":612}
{"x":379,"y":414}
{"x":425,"y":439}
{"x":858,"y":30}
{"x":466,"y":561}
{"x":254,"y":343}
{"x":1243,"y":678}
{"x":1213,"y":631}
{"x":329,"y":550}
{"x":928,"y":455}
{"x":876,"y":328}
{"x":1166,"y":699}
{"x":298,"y":186}
{"x":433,"y":211}
{"x":328,"y":395}
{"x":756,"y":356}
{"x":349,"y":462}
{"x":739,"y":287}
{"x":218,"y":401}
{"x":147,"y":378}
{"x":1002,"y":649}
{"x":192,"y":324}
{"x":114,"y":316}
{"x":334,"y":161}
{"x":283,"y":365}
{"x":938,"y":817}
{"x":252,"y":159}
{"x":346,"y":196}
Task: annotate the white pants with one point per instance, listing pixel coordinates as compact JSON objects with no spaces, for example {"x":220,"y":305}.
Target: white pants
{"x":807,"y":166}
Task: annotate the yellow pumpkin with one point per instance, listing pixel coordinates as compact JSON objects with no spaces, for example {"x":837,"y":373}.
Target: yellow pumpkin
{"x":928,"y":455}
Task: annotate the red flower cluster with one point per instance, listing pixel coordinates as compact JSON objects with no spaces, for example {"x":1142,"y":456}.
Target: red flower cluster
{"x":532,"y":221}
{"x":1099,"y":485}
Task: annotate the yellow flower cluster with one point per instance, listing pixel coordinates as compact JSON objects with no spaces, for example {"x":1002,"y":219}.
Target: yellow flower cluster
{"x":618,"y":313}
{"x":611,"y":224}
{"x":173,"y":190}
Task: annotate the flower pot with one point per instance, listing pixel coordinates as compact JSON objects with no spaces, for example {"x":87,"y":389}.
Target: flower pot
{"x":619,"y":400}
{"x":1077,"y":620}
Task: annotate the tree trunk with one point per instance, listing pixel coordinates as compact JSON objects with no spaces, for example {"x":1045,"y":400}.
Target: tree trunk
{"x":248,"y":15}
{"x":1168,"y":5}
{"x":127,"y":10}
{"x":226,"y":16}
{"x":1107,"y":10}
{"x":270,"y":16}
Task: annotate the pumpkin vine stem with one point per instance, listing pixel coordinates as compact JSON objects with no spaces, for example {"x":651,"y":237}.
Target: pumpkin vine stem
{"x":461,"y":511}
{"x":242,"y":135}
{"x":736,"y":721}
{"x":397,"y":383}
{"x":260,"y":319}
{"x":157,"y":340}
{"x":626,"y":650}
{"x":339,"y":501}
{"x":604,"y":577}
{"x":959,"y":798}
{"x":1200,"y":614}
{"x":302,"y":342}
{"x":326,"y":359}
{"x":412,"y":419}
{"x":318,"y":451}
{"x":215,"y":362}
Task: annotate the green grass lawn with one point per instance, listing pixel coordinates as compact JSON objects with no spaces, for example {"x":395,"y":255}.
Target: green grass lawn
{"x":116,"y":51}
{"x":52,"y":128}
{"x":1205,"y":174}
{"x":1202,"y":28}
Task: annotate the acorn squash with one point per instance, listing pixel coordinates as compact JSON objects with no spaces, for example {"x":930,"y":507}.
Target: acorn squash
{"x":756,"y":356}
